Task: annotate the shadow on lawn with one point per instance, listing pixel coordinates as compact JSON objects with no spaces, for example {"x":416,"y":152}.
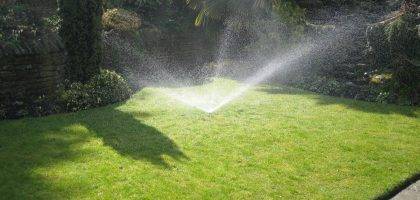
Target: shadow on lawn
{"x":28,"y":145}
{"x":38,"y":143}
{"x":363,"y":106}
{"x":126,"y":134}
{"x":398,"y":188}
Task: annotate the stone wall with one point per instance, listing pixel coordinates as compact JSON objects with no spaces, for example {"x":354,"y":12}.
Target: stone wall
{"x":30,"y":69}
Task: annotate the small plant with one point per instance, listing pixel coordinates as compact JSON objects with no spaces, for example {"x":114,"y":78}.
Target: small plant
{"x":383,"y":97}
{"x":17,"y":24}
{"x":53,"y":22}
{"x":402,"y":35}
{"x":105,"y":88}
{"x":3,"y":112}
{"x":43,"y":105}
{"x":108,"y":87}
{"x":75,"y":97}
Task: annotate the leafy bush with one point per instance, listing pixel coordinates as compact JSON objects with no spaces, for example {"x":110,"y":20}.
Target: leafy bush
{"x":121,"y":19}
{"x":105,"y":88}
{"x":39,"y":105}
{"x":109,"y":87}
{"x":402,"y":35}
{"x":43,"y":105}
{"x":406,"y":83}
{"x":3,"y":112}
{"x":383,"y":97}
{"x":293,"y":16}
{"x":149,"y":5}
{"x":378,"y":46}
{"x":394,"y":45}
{"x":52,"y":23}
{"x":81,"y":29}
{"x":124,"y":53}
{"x":18,"y":23}
{"x":403,"y":40}
{"x":75,"y":97}
{"x":321,"y":84}
{"x":149,"y":10}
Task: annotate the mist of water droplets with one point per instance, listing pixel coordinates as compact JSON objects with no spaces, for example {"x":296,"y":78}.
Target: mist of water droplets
{"x":213,"y":95}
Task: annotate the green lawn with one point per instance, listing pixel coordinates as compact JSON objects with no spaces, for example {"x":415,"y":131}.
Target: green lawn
{"x":272,"y":143}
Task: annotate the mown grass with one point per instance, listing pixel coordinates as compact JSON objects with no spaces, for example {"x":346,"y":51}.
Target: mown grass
{"x":273,"y":142}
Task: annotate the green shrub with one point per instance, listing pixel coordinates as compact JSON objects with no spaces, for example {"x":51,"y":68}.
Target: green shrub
{"x":328,"y":87}
{"x":121,"y":20}
{"x":125,"y":54}
{"x":289,"y":13}
{"x":34,"y":106}
{"x":147,"y":8}
{"x":81,"y":29}
{"x":394,"y":45}
{"x":402,"y":35}
{"x":321,"y":85}
{"x":109,"y":87}
{"x":105,"y":88}
{"x":378,"y":46}
{"x":406,"y":83}
{"x":42,"y":105}
{"x":383,"y":97}
{"x":18,"y":23}
{"x":75,"y":97}
{"x":139,"y":4}
{"x":403,"y":40}
{"x":387,"y":40}
{"x":3,"y":112}
{"x":52,"y":23}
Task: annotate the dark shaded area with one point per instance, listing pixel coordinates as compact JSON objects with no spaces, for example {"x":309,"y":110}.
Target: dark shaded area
{"x":369,"y":107}
{"x":364,"y":106}
{"x":282,"y":90}
{"x":127,"y":135}
{"x":33,"y":143}
{"x":398,"y":188}
{"x":27,"y":145}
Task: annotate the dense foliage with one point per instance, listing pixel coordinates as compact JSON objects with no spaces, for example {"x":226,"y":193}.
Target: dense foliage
{"x":168,"y":15}
{"x":144,"y":7}
{"x":123,"y":49}
{"x":121,"y":20}
{"x":105,"y":88}
{"x":222,"y":9}
{"x":18,"y":23}
{"x":81,"y":29}
{"x":394,"y":46}
{"x":266,"y":28}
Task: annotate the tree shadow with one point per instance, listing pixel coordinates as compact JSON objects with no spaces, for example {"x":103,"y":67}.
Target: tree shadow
{"x":125,"y":133}
{"x":399,"y":187}
{"x":27,"y":145}
{"x":33,"y":144}
{"x":369,"y":107}
{"x":364,"y":106}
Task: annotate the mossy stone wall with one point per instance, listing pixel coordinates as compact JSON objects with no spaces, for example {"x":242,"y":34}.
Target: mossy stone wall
{"x":30,"y":69}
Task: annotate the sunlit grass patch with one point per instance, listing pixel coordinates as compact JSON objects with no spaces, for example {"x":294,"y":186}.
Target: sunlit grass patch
{"x":271,"y":142}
